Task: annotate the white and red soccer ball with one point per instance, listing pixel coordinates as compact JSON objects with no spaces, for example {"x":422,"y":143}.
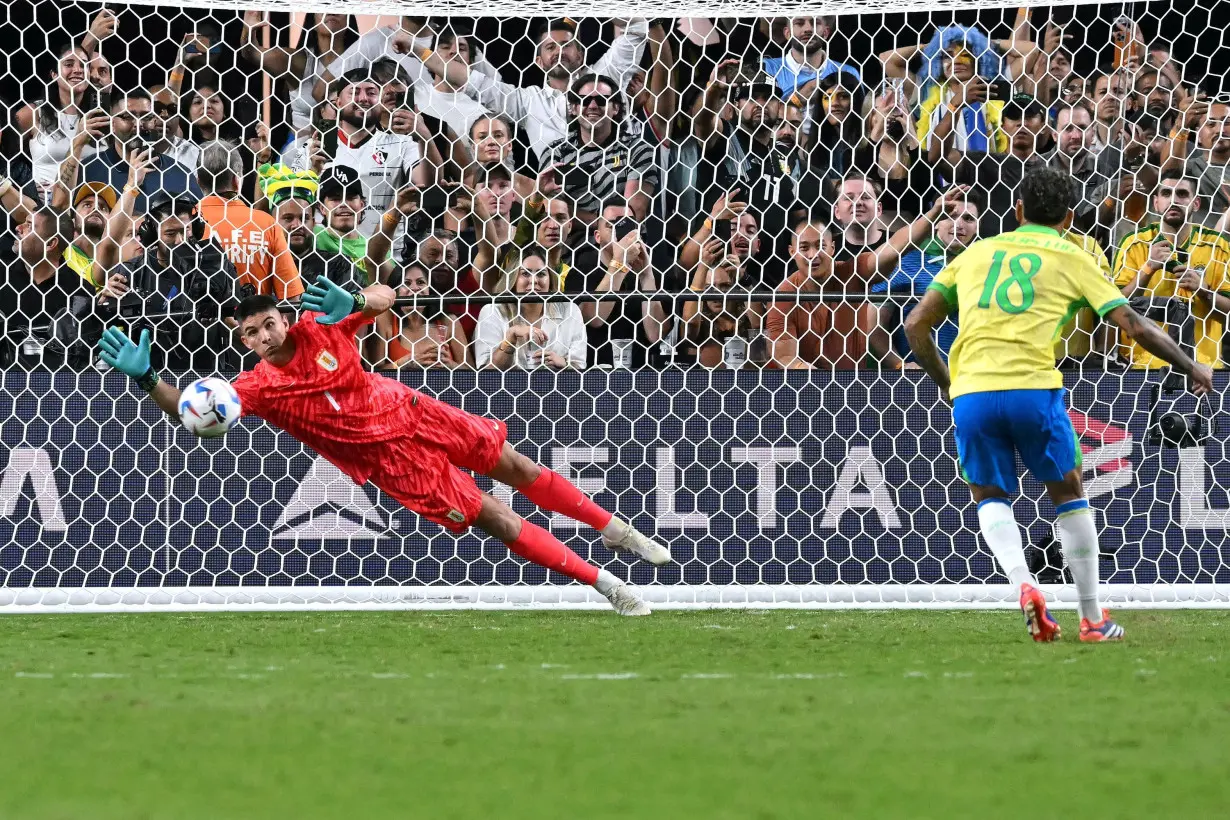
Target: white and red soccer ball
{"x":209,"y":407}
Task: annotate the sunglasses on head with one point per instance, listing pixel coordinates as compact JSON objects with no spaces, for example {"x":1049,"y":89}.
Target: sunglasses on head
{"x":584,"y":101}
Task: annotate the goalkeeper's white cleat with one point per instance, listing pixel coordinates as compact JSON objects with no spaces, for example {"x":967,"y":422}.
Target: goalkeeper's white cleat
{"x":626,"y":601}
{"x":635,"y":543}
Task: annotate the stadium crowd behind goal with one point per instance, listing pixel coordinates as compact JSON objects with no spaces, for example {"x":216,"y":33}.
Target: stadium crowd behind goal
{"x":690,"y":195}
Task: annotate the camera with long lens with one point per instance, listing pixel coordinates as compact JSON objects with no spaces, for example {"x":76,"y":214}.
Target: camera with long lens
{"x":1173,"y":314}
{"x":1172,"y":426}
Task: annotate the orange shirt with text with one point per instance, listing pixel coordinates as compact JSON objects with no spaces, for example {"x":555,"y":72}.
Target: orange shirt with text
{"x":255,"y":244}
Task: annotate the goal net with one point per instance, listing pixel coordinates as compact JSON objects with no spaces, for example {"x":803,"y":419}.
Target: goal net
{"x":731,"y":217}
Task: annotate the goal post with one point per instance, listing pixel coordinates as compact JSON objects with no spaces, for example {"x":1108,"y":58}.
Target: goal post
{"x":822,"y":474}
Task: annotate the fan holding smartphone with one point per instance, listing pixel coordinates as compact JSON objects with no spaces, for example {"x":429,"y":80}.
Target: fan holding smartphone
{"x":964,"y":90}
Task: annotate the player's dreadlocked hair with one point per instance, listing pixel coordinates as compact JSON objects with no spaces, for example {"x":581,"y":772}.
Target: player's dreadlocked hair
{"x":1046,"y":194}
{"x":253,"y":305}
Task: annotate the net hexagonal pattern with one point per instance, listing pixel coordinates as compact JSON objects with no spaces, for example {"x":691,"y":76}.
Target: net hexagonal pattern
{"x":673,"y":254}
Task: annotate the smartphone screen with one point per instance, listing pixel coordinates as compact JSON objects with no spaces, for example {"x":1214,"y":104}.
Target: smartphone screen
{"x":723,"y":229}
{"x":624,"y":226}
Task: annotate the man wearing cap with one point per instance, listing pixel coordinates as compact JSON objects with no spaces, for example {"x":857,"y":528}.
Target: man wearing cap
{"x":752,"y":158}
{"x":343,"y":206}
{"x":294,"y":208}
{"x":91,"y":252}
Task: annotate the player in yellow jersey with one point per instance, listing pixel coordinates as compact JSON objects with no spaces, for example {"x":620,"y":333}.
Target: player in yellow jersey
{"x":1014,"y":292}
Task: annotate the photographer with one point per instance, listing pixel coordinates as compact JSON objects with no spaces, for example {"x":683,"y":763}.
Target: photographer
{"x":252,"y":239}
{"x":1177,"y":273}
{"x":178,"y":287}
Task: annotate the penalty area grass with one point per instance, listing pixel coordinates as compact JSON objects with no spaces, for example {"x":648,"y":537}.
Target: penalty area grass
{"x":719,"y":714}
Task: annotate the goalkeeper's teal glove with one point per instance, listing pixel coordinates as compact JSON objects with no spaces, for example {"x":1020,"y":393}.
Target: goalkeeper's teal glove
{"x":117,"y":350}
{"x":331,"y":301}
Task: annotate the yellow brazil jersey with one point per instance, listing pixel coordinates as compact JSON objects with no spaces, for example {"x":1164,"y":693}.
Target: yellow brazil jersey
{"x":1015,"y":292}
{"x":1205,"y":250}
{"x":81,"y":264}
{"x":993,"y":110}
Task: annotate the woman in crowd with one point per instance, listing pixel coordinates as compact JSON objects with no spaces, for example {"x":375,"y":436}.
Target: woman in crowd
{"x":835,"y":129}
{"x":413,"y":339}
{"x":49,"y":126}
{"x":491,"y":143}
{"x":962,"y":74}
{"x":207,"y":113}
{"x":532,"y":333}
{"x":890,"y":154}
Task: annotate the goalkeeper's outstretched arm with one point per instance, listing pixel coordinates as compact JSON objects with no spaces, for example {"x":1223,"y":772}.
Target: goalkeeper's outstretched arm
{"x":1155,"y":340}
{"x":334,"y":303}
{"x":117,"y":350}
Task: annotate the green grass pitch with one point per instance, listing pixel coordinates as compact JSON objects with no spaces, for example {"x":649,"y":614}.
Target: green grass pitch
{"x":779,"y":714}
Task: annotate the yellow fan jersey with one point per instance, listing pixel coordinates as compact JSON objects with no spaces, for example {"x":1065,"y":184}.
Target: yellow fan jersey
{"x":81,"y":264}
{"x":1015,"y":292}
{"x":1206,"y":251}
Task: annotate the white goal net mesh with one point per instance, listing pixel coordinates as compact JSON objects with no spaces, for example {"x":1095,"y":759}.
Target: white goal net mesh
{"x":734,"y":216}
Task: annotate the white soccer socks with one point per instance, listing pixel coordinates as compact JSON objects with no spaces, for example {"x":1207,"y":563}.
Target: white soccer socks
{"x":1003,"y":535}
{"x":1079,"y":539}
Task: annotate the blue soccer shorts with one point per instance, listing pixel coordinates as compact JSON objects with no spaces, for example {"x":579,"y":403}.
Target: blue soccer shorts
{"x":993,"y":427}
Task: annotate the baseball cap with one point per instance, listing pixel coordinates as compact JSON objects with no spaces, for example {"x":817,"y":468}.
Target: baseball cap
{"x":340,"y":180}
{"x":491,"y":172}
{"x":99,"y":189}
{"x":1022,"y":106}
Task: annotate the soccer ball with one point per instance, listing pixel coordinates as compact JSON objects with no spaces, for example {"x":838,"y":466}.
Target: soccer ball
{"x":209,"y":407}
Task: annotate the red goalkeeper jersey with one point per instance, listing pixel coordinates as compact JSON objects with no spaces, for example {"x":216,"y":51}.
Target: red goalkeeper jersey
{"x":324,"y":398}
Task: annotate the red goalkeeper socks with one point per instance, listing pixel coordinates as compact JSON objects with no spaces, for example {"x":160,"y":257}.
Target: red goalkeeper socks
{"x":537,"y":545}
{"x":551,"y":491}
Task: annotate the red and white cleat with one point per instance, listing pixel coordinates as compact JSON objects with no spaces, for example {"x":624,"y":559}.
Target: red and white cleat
{"x":1103,"y":630}
{"x":1042,"y":627}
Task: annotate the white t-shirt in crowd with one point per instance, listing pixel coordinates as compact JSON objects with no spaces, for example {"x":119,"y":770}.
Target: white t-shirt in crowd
{"x":384,"y":161}
{"x":456,"y":108}
{"x":543,"y":111}
{"x":562,"y":322}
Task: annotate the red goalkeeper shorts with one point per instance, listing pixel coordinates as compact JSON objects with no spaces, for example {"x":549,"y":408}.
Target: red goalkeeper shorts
{"x":421,"y":470}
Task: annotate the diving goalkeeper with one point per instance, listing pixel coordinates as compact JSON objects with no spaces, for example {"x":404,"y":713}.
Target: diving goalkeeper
{"x":310,"y":383}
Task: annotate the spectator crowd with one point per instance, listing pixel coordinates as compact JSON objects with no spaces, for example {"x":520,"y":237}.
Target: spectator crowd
{"x":690,"y":192}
